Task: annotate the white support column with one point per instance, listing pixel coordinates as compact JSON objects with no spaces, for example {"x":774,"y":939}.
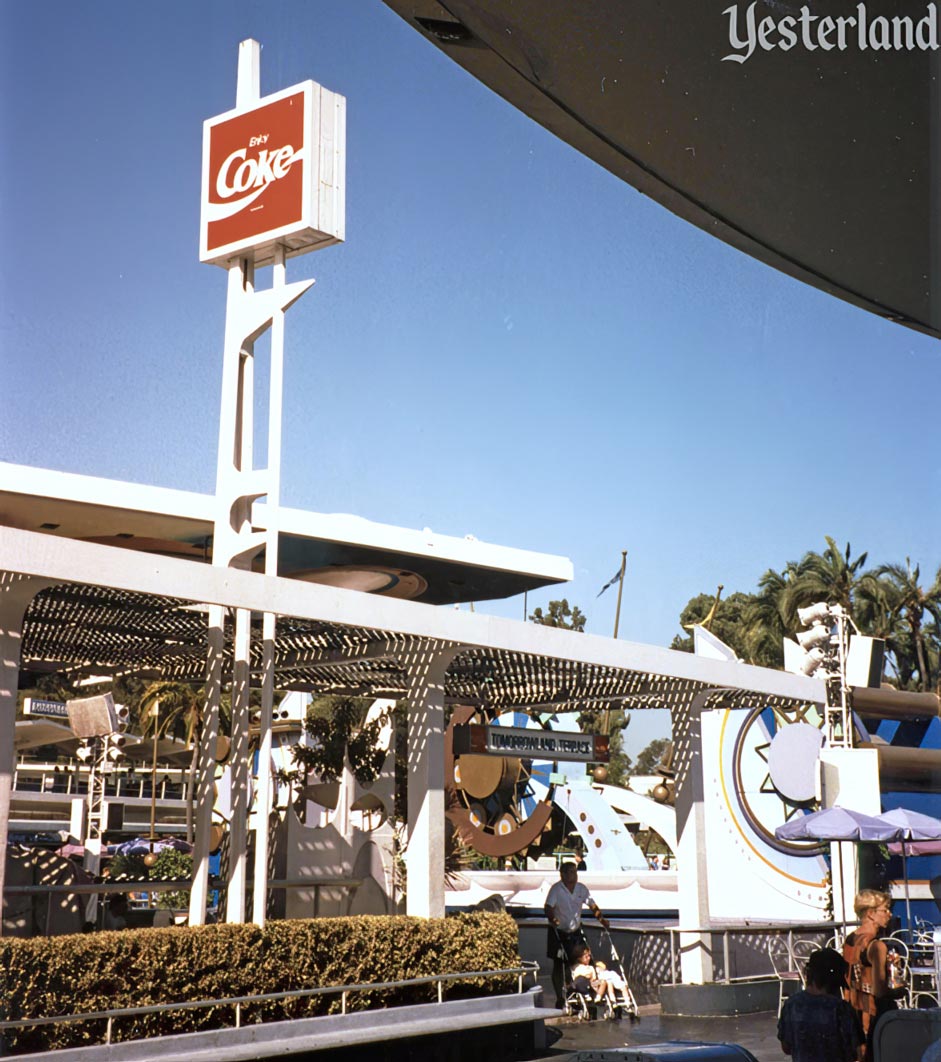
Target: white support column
{"x":425,"y":890}
{"x":205,"y":787}
{"x":16,"y":592}
{"x":249,"y":313}
{"x":844,"y":874}
{"x":263,"y":793}
{"x":248,"y":79}
{"x":241,"y":769}
{"x":696,"y":965}
{"x":275,"y":402}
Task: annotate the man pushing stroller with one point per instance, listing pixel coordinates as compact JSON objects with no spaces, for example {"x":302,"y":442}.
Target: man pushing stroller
{"x":563,"y":908}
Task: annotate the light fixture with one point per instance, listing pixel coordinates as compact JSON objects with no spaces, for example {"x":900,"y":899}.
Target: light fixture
{"x":818,"y":635}
{"x":812,"y":661}
{"x":819,"y":612}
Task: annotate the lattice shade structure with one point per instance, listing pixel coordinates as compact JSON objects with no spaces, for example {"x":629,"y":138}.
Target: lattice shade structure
{"x":79,"y":627}
{"x":83,"y":629}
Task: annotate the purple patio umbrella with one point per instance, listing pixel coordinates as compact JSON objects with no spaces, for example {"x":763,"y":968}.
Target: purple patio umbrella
{"x":915,"y":827}
{"x":916,"y":848}
{"x":838,"y":824}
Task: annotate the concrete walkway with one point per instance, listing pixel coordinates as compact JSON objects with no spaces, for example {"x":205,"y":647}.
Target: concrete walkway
{"x":756,"y":1032}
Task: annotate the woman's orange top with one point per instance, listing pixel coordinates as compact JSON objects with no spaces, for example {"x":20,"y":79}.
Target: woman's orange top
{"x":859,"y":976}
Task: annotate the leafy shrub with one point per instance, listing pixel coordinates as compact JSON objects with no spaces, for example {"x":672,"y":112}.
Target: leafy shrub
{"x":169,"y":864}
{"x":42,"y":977}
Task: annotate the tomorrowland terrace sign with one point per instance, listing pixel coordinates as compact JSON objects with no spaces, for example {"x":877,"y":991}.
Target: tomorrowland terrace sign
{"x":478,"y":739}
{"x":862,"y":31}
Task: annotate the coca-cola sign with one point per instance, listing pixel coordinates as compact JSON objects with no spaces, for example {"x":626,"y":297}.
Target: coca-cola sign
{"x":274,"y":174}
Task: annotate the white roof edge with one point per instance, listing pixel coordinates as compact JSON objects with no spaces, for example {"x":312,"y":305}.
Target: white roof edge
{"x":114,"y":493}
{"x":341,"y":527}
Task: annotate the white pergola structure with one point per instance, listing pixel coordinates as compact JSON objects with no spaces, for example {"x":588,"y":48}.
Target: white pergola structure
{"x":86,"y":604}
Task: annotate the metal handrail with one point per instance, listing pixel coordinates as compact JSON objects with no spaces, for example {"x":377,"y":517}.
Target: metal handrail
{"x":727,"y":929}
{"x":178,"y":884}
{"x":298,"y":993}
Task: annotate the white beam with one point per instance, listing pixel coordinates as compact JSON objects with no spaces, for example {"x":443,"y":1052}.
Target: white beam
{"x":85,"y":562}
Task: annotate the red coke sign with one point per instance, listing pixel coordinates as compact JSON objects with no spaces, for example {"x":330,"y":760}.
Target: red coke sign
{"x":274,"y":173}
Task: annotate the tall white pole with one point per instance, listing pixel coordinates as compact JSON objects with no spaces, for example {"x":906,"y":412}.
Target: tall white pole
{"x":236,"y":543}
{"x":275,"y":403}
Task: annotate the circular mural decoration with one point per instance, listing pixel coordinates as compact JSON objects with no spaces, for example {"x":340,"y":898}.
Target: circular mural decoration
{"x":764,"y":752}
{"x":500,"y":804}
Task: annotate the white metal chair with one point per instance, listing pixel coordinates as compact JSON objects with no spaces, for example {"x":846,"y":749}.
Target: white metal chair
{"x":788,"y":964}
{"x":922,"y":969}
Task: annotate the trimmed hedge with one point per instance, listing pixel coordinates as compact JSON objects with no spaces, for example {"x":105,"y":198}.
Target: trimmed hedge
{"x":46,"y":976}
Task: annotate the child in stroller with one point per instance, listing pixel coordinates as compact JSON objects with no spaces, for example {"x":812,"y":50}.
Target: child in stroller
{"x":606,"y":987}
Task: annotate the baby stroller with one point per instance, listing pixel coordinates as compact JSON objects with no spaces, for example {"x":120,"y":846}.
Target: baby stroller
{"x":578,"y":1002}
{"x":581,"y":1000}
{"x":626,"y":1006}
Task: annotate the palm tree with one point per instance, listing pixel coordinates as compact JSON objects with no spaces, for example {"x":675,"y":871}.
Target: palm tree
{"x":766,"y":621}
{"x":877,"y":613}
{"x":168,"y":707}
{"x":908,"y":603}
{"x":830,"y":576}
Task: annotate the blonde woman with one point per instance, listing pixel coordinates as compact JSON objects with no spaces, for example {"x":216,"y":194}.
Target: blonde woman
{"x":867,"y":957}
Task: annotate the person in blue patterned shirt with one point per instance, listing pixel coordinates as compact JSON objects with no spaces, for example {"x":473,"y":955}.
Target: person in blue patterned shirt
{"x":817,"y":1024}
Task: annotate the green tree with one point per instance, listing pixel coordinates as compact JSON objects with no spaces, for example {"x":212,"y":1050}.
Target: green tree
{"x":560,"y":614}
{"x":649,"y":758}
{"x":168,"y":708}
{"x":169,"y":864}
{"x":831,"y":576}
{"x":53,"y":686}
{"x":340,"y":734}
{"x":889,"y":603}
{"x":908,"y":607}
{"x":727,"y":624}
{"x":765,"y":618}
{"x":597,"y":722}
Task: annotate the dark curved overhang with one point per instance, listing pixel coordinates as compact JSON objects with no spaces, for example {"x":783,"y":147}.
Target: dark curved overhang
{"x":333,"y":549}
{"x":823,"y":164}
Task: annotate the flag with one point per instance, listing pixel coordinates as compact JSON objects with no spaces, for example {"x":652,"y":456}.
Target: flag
{"x":616,"y":578}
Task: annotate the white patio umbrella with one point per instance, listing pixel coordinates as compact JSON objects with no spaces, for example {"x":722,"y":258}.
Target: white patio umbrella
{"x":915,"y":827}
{"x":838,"y":824}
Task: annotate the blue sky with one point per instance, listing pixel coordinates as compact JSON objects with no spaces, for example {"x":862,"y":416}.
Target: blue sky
{"x":511,"y":343}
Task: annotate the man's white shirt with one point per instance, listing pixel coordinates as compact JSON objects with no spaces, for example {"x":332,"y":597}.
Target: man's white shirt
{"x":568,"y":905}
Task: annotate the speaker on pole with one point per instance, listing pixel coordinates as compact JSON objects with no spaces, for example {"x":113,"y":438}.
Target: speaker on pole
{"x":92,"y":716}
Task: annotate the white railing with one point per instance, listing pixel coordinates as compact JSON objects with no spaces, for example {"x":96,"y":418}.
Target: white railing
{"x":704,"y":938}
{"x":124,"y":782}
{"x":526,"y":969}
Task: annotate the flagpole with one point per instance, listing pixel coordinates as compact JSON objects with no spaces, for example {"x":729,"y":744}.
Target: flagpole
{"x":617,"y":614}
{"x":617,"y":618}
